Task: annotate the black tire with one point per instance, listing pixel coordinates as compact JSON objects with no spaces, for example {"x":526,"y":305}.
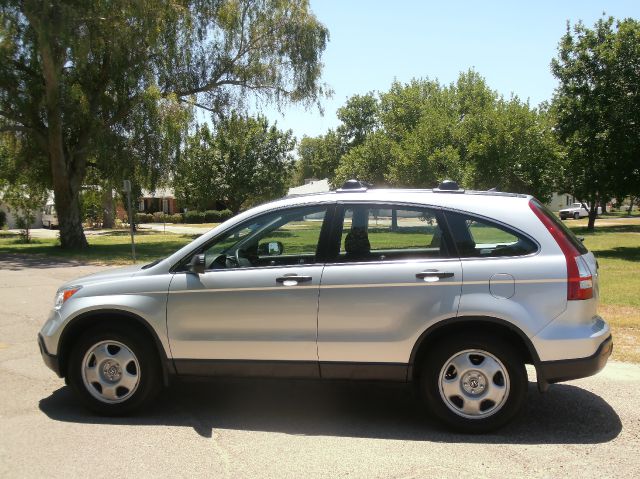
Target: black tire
{"x":145,"y":365}
{"x":516,"y":383}
{"x":576,"y":216}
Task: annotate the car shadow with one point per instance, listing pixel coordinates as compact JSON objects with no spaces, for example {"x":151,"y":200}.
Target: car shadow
{"x":566,"y":414}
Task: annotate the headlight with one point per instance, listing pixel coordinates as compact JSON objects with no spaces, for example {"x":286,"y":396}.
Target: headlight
{"x":64,"y":294}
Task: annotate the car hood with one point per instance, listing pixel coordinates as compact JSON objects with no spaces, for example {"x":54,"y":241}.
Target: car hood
{"x":574,"y":208}
{"x":105,"y":275}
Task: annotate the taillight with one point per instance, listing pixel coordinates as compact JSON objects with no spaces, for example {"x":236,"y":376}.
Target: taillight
{"x":579,"y":279}
{"x":580,"y":282}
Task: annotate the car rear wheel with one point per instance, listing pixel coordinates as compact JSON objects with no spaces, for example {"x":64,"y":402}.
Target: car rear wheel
{"x":576,"y":216}
{"x":474,"y":385}
{"x":114,"y":371}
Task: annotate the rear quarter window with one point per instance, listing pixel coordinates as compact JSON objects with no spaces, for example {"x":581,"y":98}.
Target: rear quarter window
{"x":481,"y":238}
{"x":568,"y":234}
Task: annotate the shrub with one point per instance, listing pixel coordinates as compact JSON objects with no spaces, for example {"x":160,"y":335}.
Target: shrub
{"x":217,"y":216}
{"x":159,"y":217}
{"x":144,"y":218}
{"x":175,"y":218}
{"x":193,"y":217}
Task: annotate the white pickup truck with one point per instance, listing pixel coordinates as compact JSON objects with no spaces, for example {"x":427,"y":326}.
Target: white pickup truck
{"x":577,"y":211}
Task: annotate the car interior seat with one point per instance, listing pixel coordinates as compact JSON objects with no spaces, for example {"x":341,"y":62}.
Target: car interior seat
{"x":356,"y":243}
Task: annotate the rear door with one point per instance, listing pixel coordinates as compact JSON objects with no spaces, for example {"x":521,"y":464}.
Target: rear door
{"x":504,"y":277}
{"x":392,"y":276}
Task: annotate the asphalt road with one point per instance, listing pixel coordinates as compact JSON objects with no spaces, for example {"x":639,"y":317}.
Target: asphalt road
{"x":282,"y":429}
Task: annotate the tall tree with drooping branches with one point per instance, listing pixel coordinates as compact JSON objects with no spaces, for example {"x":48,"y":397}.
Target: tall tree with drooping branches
{"x":111,"y":85}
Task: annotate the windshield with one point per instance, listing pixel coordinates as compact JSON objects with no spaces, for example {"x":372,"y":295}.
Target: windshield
{"x":153,"y":263}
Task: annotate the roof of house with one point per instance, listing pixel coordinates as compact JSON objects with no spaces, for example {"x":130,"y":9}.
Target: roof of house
{"x":159,"y":193}
{"x":314,"y":186}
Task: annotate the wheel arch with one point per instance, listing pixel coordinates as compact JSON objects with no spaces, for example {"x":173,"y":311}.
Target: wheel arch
{"x":502,"y":328}
{"x":78,"y":325}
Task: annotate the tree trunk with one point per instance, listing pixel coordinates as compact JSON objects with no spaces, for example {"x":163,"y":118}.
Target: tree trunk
{"x":394,"y":220}
{"x":107,"y":208}
{"x":234,"y":205}
{"x":67,"y":175}
{"x":593,"y":213}
{"x":631,"y":201}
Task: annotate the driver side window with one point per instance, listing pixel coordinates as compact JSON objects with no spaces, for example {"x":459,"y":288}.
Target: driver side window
{"x":285,"y":237}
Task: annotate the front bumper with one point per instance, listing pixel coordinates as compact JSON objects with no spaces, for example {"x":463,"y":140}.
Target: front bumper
{"x":51,"y":360}
{"x":568,"y":369}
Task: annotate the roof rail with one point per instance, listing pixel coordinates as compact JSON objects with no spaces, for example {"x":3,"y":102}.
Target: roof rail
{"x":353,"y":186}
{"x":448,"y":186}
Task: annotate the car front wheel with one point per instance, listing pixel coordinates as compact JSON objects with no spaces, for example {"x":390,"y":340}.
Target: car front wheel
{"x":114,"y":371}
{"x":474,"y":385}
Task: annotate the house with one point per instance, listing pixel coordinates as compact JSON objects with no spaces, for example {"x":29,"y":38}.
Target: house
{"x":161,"y":199}
{"x":560,"y":200}
{"x":311,"y":185}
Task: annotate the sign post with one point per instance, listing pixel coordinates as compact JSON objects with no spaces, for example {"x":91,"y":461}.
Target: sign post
{"x":127,"y":189}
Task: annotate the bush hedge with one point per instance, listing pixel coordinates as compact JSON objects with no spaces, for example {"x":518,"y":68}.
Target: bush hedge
{"x":194,"y":217}
{"x":217,"y":216}
{"x":144,"y":218}
{"x":209,"y":216}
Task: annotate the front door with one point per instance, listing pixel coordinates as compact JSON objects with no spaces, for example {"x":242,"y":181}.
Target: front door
{"x":394,"y":276}
{"x":256,"y":305}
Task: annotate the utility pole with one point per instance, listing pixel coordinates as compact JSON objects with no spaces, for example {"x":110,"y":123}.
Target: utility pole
{"x":127,"y":189}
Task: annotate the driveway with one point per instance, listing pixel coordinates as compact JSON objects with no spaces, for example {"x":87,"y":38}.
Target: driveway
{"x":281,"y":429}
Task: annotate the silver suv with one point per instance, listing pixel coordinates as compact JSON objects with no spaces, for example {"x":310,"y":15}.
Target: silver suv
{"x":453,"y":290}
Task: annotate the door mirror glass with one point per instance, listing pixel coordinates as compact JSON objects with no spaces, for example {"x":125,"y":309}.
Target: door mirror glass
{"x":272,"y":248}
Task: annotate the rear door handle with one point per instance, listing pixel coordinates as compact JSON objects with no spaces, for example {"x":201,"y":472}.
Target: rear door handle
{"x":292,"y":279}
{"x":433,"y":275}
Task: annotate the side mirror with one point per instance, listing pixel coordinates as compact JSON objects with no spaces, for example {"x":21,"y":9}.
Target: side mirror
{"x":197,"y":264}
{"x":272,"y":248}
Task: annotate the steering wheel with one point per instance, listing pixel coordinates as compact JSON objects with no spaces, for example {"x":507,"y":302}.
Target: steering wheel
{"x":233,"y":261}
{"x":237,"y":260}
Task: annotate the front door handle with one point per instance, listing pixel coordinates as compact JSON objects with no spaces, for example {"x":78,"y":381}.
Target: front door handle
{"x":433,"y":275}
{"x":292,"y":279}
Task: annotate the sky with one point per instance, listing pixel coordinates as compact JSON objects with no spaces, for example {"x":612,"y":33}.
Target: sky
{"x":372,"y":43}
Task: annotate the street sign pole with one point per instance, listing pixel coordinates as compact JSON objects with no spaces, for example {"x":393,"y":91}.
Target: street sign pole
{"x":127,"y":190}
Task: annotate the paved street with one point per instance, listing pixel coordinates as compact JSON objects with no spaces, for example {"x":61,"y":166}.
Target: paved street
{"x":282,"y":429}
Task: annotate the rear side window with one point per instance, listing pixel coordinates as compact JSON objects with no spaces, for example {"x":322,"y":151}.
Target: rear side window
{"x":479,"y":238}
{"x":390,"y":232}
{"x":573,"y":239}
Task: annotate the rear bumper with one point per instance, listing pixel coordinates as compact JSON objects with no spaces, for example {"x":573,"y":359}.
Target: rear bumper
{"x":568,"y":369}
{"x":51,"y":360}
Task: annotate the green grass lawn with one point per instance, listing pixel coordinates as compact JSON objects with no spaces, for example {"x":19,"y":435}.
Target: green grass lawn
{"x":111,"y":247}
{"x":617,"y":248}
{"x":616,"y":244}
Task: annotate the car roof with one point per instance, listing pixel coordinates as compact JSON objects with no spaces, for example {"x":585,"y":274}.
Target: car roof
{"x":427,"y":197}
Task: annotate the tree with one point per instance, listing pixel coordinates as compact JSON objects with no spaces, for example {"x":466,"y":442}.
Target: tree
{"x":318,"y":157}
{"x":21,"y":187}
{"x":108,"y":85}
{"x":425,"y":132}
{"x":597,"y":110}
{"x":26,"y":200}
{"x":244,"y":161}
{"x":359,"y":117}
